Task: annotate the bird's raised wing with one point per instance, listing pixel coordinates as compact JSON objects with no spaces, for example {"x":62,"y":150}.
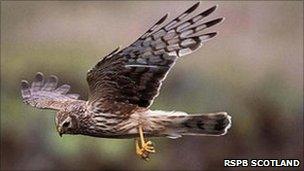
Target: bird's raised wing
{"x":45,"y":94}
{"x":132,"y":77}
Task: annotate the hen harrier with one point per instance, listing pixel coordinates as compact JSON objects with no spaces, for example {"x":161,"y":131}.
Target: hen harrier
{"x":124,"y":84}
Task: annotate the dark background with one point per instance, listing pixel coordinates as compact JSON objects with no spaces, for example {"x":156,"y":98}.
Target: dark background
{"x":252,"y":70}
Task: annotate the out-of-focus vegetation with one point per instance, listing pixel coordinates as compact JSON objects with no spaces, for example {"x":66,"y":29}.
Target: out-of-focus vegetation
{"x":253,"y":70}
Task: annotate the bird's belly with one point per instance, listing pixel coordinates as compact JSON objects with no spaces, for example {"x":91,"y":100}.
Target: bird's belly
{"x":122,"y":136}
{"x":118,"y":128}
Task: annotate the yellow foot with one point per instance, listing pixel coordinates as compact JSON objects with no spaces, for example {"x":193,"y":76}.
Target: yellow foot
{"x":144,"y":150}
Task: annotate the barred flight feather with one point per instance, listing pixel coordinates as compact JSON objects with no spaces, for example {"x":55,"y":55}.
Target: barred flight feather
{"x":45,"y":94}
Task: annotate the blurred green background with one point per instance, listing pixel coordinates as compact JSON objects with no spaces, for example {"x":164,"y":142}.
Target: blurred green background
{"x":253,"y":70}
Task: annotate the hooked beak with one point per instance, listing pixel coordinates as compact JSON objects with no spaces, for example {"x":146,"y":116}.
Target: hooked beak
{"x":59,"y":130}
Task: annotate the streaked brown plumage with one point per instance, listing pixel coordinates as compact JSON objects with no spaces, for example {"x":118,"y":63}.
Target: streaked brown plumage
{"x":124,"y":84}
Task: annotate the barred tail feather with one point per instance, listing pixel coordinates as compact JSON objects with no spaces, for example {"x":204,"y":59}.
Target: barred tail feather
{"x":206,"y":124}
{"x":177,"y":124}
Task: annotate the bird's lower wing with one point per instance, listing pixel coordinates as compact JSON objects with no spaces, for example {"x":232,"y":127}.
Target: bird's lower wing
{"x":45,"y":94}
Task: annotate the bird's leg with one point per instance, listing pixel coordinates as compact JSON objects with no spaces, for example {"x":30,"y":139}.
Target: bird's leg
{"x":145,"y":148}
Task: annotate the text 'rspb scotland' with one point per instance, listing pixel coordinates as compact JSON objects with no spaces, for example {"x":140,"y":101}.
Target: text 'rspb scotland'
{"x":262,"y":163}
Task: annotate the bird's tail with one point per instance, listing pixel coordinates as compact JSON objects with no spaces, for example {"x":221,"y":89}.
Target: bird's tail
{"x":176,"y":124}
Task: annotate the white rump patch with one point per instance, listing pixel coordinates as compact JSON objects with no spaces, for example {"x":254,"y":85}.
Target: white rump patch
{"x":174,"y":136}
{"x":167,"y":113}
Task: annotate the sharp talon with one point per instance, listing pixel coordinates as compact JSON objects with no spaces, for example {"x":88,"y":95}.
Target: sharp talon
{"x":151,"y":151}
{"x":150,"y":148}
{"x":144,"y":149}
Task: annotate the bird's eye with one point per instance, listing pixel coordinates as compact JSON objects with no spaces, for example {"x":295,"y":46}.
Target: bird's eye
{"x":66,"y":124}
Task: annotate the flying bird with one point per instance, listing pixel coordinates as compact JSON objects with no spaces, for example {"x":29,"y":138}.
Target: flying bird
{"x":124,"y":84}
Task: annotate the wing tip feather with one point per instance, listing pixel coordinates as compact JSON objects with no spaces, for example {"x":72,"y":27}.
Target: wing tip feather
{"x":162,"y":19}
{"x":214,"y":22}
{"x":24,"y":85}
{"x":39,"y":74}
{"x":210,"y":10}
{"x":192,"y":8}
{"x":208,"y":36}
{"x":53,"y":78}
{"x":25,"y":89}
{"x":29,"y":89}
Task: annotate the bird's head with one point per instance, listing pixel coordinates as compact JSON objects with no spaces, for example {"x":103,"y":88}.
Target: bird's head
{"x":66,"y":123}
